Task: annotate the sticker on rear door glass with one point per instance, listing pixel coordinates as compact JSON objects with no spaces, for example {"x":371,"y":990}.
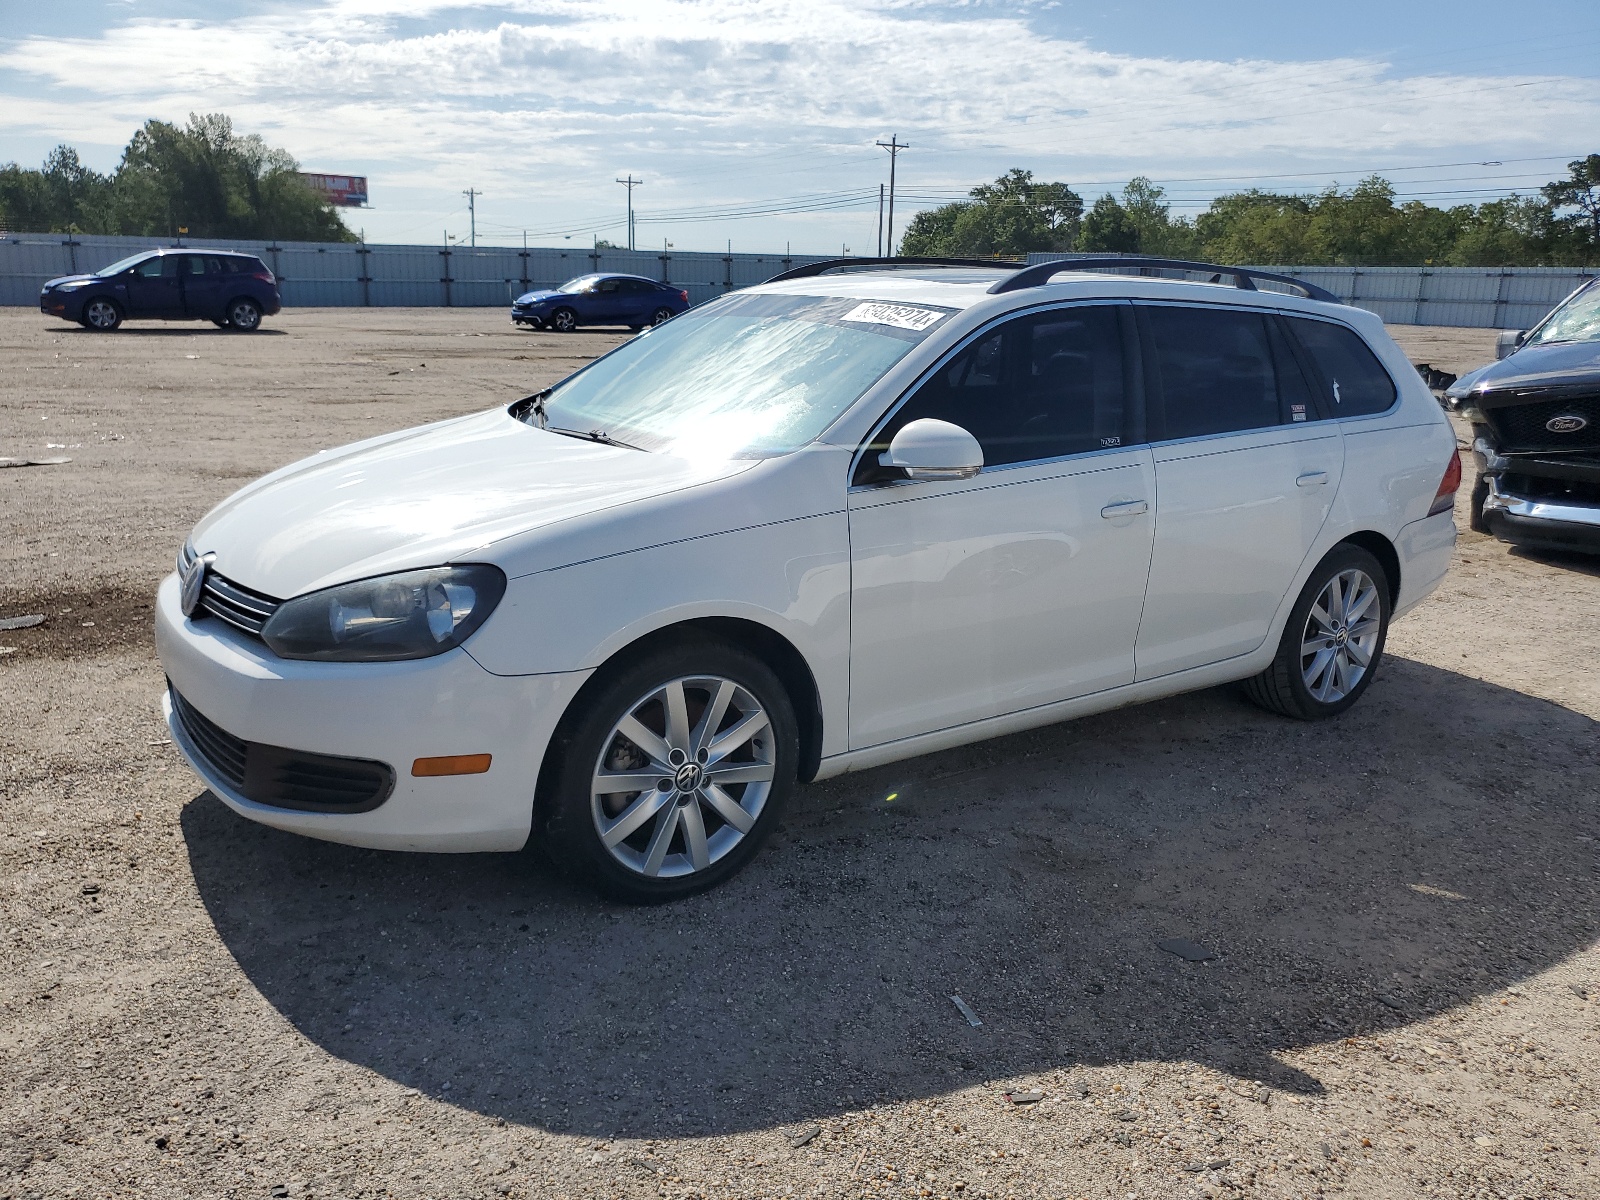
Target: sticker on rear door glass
{"x":1297,"y":412}
{"x":901,"y":316}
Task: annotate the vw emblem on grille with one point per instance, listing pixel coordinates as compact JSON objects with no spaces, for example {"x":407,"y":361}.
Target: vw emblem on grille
{"x":192,"y":582}
{"x":1566,"y":423}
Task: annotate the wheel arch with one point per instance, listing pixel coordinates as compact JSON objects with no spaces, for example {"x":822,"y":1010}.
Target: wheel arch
{"x":760,"y":641}
{"x":1382,"y":549}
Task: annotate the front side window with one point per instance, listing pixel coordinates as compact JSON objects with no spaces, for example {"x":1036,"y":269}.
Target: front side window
{"x":1354,"y":382}
{"x":743,"y":376}
{"x":574,"y":287}
{"x":123,"y":264}
{"x":1214,"y":370}
{"x":1041,"y":386}
{"x":155,"y":268}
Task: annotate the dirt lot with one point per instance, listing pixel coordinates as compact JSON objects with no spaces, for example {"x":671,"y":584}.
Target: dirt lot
{"x":1404,"y":902}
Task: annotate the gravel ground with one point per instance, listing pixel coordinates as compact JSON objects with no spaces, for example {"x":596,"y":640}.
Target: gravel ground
{"x":1402,"y":904}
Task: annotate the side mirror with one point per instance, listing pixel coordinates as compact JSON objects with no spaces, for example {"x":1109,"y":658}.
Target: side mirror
{"x":932,"y":450}
{"x":1508,"y":341}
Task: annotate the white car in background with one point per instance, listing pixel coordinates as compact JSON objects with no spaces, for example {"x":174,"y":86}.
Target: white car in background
{"x":858,"y":513}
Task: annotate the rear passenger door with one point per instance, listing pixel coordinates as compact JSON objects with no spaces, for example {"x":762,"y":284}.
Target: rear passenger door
{"x":203,"y":284}
{"x":1245,"y":477}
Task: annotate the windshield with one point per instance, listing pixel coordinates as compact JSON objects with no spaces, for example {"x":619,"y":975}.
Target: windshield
{"x":122,"y":264}
{"x":1576,"y":321}
{"x":581,"y":284}
{"x":744,"y":376}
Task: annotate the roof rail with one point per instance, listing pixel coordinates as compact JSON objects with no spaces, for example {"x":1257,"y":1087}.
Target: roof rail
{"x":830,"y":265}
{"x":1243,"y":277}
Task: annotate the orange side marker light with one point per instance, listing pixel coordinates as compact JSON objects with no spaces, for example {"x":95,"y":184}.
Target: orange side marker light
{"x":450,"y":764}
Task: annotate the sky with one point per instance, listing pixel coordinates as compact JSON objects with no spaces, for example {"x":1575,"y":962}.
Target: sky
{"x":754,"y":122}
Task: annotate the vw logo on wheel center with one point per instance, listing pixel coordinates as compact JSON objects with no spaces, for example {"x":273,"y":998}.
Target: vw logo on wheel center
{"x":688,"y":777}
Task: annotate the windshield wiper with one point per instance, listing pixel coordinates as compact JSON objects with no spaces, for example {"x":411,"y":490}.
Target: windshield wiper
{"x":593,"y":435}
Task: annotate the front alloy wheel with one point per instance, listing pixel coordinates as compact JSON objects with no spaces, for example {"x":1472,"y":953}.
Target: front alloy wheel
{"x":683,"y":777}
{"x":563,"y":320}
{"x":102,"y":315}
{"x":669,"y":771}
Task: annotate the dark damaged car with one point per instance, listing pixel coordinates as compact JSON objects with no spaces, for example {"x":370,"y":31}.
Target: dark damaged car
{"x":1536,"y":430}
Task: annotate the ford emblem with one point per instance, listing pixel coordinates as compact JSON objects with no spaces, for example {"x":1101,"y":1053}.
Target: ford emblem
{"x":192,"y":582}
{"x":1566,"y":423}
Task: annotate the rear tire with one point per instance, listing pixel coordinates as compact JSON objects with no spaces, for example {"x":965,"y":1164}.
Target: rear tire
{"x":102,"y":315}
{"x":244,"y":314}
{"x":672,"y":837}
{"x":660,"y":315}
{"x":1340,"y":619}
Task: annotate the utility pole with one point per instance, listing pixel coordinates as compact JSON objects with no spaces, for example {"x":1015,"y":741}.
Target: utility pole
{"x":630,"y":183}
{"x":472,"y":195}
{"x":880,"y":220}
{"x":894,"y":145}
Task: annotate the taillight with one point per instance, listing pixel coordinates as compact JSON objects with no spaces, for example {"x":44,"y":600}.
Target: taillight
{"x":264,"y":276}
{"x":1445,"y":498}
{"x":684,"y":296}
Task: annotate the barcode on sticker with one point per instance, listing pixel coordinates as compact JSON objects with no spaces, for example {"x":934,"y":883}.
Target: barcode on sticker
{"x":901,"y":316}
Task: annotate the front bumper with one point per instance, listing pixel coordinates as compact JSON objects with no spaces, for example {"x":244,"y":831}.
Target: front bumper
{"x":1541,"y":524}
{"x":526,"y":317}
{"x":393,"y":713}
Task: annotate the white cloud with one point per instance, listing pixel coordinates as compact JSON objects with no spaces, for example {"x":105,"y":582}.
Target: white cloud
{"x":713,"y":98}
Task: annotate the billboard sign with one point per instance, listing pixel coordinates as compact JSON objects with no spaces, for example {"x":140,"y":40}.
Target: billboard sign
{"x":349,"y":191}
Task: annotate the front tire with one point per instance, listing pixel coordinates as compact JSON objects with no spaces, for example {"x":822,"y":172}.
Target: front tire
{"x":670,"y":774}
{"x":244,"y":315}
{"x":563,"y":320}
{"x":102,"y":315}
{"x":1475,"y":518}
{"x":1332,"y":642}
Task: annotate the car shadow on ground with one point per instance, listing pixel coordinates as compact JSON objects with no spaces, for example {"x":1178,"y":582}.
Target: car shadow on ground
{"x":1566,"y":560}
{"x":1433,"y":844}
{"x":179,"y":329}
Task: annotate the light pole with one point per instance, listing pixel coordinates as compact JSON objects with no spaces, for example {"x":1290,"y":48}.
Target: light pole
{"x":630,"y":183}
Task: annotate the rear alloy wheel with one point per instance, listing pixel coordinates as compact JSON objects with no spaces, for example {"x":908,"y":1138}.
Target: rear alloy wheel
{"x":244,"y":315}
{"x":660,"y":315}
{"x":674,"y":774}
{"x":1332,"y":642}
{"x":563,"y":320}
{"x":101,"y":315}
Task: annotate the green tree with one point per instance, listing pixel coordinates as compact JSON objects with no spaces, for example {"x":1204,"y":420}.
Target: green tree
{"x":202,"y":177}
{"x":1579,"y":191}
{"x":1011,"y":216}
{"x":1147,"y":210}
{"x":1109,"y":229}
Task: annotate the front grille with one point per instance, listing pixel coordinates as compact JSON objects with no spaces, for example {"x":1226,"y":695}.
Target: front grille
{"x":231,"y":602}
{"x":1519,"y":426}
{"x":283,"y":778}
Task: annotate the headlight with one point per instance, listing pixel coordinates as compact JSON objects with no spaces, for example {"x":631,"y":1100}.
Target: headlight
{"x":73,"y":286}
{"x":415,"y":614}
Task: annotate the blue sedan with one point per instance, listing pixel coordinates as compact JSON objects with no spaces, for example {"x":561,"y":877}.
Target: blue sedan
{"x":605,"y":299}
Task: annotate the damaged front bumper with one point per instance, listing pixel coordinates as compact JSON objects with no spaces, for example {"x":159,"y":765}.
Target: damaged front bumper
{"x":1545,"y":502}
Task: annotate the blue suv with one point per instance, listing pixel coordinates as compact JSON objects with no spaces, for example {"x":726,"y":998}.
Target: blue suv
{"x":630,"y":300}
{"x":231,"y":290}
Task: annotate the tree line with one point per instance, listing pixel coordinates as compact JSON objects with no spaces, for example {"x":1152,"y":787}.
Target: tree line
{"x":202,"y":178}
{"x":1358,"y":226}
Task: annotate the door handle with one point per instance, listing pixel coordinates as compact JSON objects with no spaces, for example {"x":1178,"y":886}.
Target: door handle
{"x":1312,"y":479}
{"x":1127,"y":508}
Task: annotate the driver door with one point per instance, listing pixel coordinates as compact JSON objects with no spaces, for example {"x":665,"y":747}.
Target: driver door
{"x":1023,"y":585}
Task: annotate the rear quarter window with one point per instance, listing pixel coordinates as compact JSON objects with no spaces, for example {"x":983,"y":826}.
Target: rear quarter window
{"x":1354,"y":383}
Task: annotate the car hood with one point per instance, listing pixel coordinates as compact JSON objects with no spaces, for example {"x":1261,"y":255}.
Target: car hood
{"x":535,"y":297}
{"x":1534,"y":366}
{"x":422,"y":497}
{"x":50,"y":283}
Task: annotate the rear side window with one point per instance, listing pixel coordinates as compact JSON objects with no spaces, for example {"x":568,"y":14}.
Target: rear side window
{"x":1354,"y":383}
{"x":1215,"y":369}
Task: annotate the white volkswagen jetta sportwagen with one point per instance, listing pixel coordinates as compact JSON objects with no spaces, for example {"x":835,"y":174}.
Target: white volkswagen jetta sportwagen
{"x":846,"y":517}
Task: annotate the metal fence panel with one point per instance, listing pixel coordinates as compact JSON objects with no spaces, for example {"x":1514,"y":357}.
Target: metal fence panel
{"x":348,"y":274}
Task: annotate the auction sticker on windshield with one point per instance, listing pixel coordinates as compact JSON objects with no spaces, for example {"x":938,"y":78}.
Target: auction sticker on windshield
{"x":901,"y":316}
